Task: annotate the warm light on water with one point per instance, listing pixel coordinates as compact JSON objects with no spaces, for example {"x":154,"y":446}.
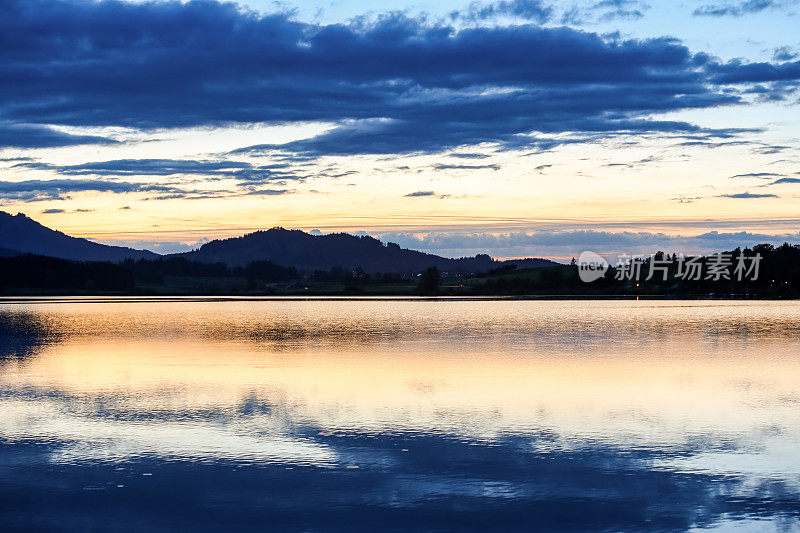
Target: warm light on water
{"x":318,"y":414}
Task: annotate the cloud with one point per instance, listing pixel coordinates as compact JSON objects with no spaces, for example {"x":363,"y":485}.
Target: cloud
{"x":269,"y":192}
{"x":39,"y":190}
{"x":762,"y":175}
{"x":634,"y":164}
{"x":785,"y":180}
{"x":785,"y":53}
{"x":771,"y":92}
{"x":247,"y":173}
{"x":34,"y":136}
{"x":737,"y":9}
{"x":389,"y":84}
{"x":533,"y":10}
{"x":469,"y":155}
{"x":772,"y":149}
{"x":572,"y":242}
{"x":686,"y":199}
{"x":159,"y":247}
{"x":621,"y":9}
{"x":444,"y":166}
{"x":418,"y":194}
{"x":710,"y":144}
{"x":143,"y":167}
{"x":739,"y":71}
{"x":248,"y":176}
{"x":747,"y":195}
{"x":59,"y":211}
{"x":604,"y":11}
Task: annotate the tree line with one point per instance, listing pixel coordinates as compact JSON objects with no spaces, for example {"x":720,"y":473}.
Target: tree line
{"x":778,"y":277}
{"x":37,"y":272}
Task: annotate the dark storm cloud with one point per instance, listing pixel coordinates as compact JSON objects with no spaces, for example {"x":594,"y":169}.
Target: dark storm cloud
{"x":390,"y":84}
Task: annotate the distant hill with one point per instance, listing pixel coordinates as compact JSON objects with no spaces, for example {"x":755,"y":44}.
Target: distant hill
{"x":295,"y":248}
{"x":22,"y":234}
{"x":289,"y":248}
{"x":5,"y":252}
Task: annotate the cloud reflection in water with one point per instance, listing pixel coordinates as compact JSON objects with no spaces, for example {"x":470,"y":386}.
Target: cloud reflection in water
{"x":450,"y":415}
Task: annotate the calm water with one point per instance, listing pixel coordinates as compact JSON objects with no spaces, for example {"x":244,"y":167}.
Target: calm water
{"x":329,"y":415}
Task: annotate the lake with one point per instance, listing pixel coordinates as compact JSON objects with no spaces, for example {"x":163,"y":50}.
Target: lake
{"x":398,"y":414}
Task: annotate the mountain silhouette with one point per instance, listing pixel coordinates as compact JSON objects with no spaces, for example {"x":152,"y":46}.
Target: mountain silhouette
{"x":307,"y":252}
{"x":288,"y":248}
{"x":20,"y":234}
{"x":5,"y":252}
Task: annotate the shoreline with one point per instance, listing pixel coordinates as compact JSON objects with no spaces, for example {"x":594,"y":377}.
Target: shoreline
{"x":106,"y":297}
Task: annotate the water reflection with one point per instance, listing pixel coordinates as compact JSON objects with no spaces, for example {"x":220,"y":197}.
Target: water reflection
{"x":21,"y":334}
{"x":409,"y":414}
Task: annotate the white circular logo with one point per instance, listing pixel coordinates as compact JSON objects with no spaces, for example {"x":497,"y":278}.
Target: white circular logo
{"x":591,"y":267}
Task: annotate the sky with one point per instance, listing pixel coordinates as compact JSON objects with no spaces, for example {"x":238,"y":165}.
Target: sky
{"x":511,"y":127}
